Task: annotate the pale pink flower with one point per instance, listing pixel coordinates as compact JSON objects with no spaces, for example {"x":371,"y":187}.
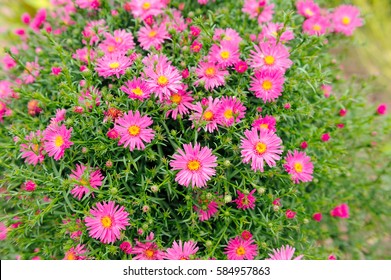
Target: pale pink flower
{"x":84,"y":55}
{"x":299,"y":166}
{"x":284,"y":253}
{"x":260,"y":146}
{"x":181,"y":251}
{"x":308,"y":8}
{"x":31,"y":72}
{"x":133,"y":130}
{"x":196,"y":164}
{"x":145,"y":8}
{"x":227,"y":35}
{"x":107,"y":221}
{"x":88,"y":4}
{"x":272,"y":30}
{"x":259,"y":9}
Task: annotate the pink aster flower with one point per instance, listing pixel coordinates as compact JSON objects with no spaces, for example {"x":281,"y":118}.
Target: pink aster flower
{"x":56,"y":140}
{"x":316,"y":25}
{"x":152,"y":36}
{"x":90,"y":97}
{"x":163,"y":79}
{"x":271,"y":32}
{"x":341,"y":211}
{"x":148,"y":250}
{"x":206,"y":210}
{"x":245,"y":201}
{"x":266,"y":123}
{"x":331,"y":257}
{"x":8,"y":62}
{"x":92,"y":31}
{"x":241,"y":249}
{"x":196,"y":165}
{"x":289,"y":214}
{"x":121,"y":41}
{"x":87,"y":179}
{"x":32,"y":151}
{"x":137,"y":89}
{"x":126,"y":247}
{"x":31,"y":72}
{"x":112,"y":65}
{"x":88,"y":4}
{"x":107,"y":221}
{"x":269,"y":55}
{"x":345,"y":19}
{"x":180,"y":102}
{"x":30,"y":186}
{"x":84,"y":55}
{"x":6,"y":91}
{"x":145,"y":8}
{"x":307,"y":8}
{"x":210,"y":75}
{"x":181,"y":251}
{"x":267,"y":84}
{"x":325,"y":137}
{"x":317,"y":216}
{"x":205,"y":114}
{"x":3,"y":231}
{"x":196,"y":46}
{"x":133,"y":130}
{"x":259,"y":9}
{"x":299,"y":166}
{"x":227,"y":54}
{"x":76,"y":253}
{"x":227,"y":35}
{"x":284,"y":253}
{"x":230,"y":111}
{"x":327,"y":90}
{"x":259,"y":146}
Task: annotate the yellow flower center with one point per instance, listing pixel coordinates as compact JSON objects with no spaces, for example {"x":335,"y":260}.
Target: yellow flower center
{"x":1,"y":105}
{"x":146,"y":6}
{"x":58,"y":141}
{"x":227,"y":38}
{"x":71,"y":256}
{"x":35,"y":147}
{"x":193,"y":165}
{"x":118,"y":39}
{"x":260,"y":147}
{"x":346,"y":20}
{"x":225,"y":54}
{"x":298,"y":167}
{"x":152,"y":33}
{"x":114,"y":65}
{"x":317,"y":27}
{"x":267,"y":85}
{"x":240,"y":251}
{"x":210,"y":72}
{"x":83,"y":182}
{"x":176,"y":98}
{"x":264,"y":126}
{"x":149,"y":253}
{"x":269,"y":60}
{"x":228,"y":114}
{"x":134,"y":130}
{"x":111,"y":48}
{"x":208,"y":116}
{"x":309,"y":12}
{"x":162,"y":81}
{"x":137,"y":91}
{"x":106,"y":222}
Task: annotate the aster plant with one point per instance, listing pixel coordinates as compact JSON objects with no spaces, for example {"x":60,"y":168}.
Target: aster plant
{"x":155,"y":129}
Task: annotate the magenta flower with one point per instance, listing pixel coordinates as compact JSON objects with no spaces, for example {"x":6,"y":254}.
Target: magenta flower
{"x":299,"y":166}
{"x":32,"y":151}
{"x":241,"y":249}
{"x":205,"y":114}
{"x":152,"y":36}
{"x":266,"y":123}
{"x":259,"y":147}
{"x":181,"y":251}
{"x":88,"y":4}
{"x":3,"y":231}
{"x":207,"y":210}
{"x":210,"y":75}
{"x":57,"y":140}
{"x":317,"y":216}
{"x":148,"y":250}
{"x":345,"y":19}
{"x":245,"y":201}
{"x":137,"y":89}
{"x":382,"y":109}
{"x":107,"y":221}
{"x":126,"y":247}
{"x":87,"y":179}
{"x":112,"y":65}
{"x":269,"y":55}
{"x":133,"y":130}
{"x":267,"y":84}
{"x":227,"y":54}
{"x":30,"y":186}
{"x":120,"y":42}
{"x":76,"y":253}
{"x":284,"y":253}
{"x":180,"y":102}
{"x":289,"y":214}
{"x":196,"y":165}
{"x":341,"y":211}
{"x":146,"y":8}
{"x":230,"y":111}
{"x":227,"y":35}
{"x":259,"y":9}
